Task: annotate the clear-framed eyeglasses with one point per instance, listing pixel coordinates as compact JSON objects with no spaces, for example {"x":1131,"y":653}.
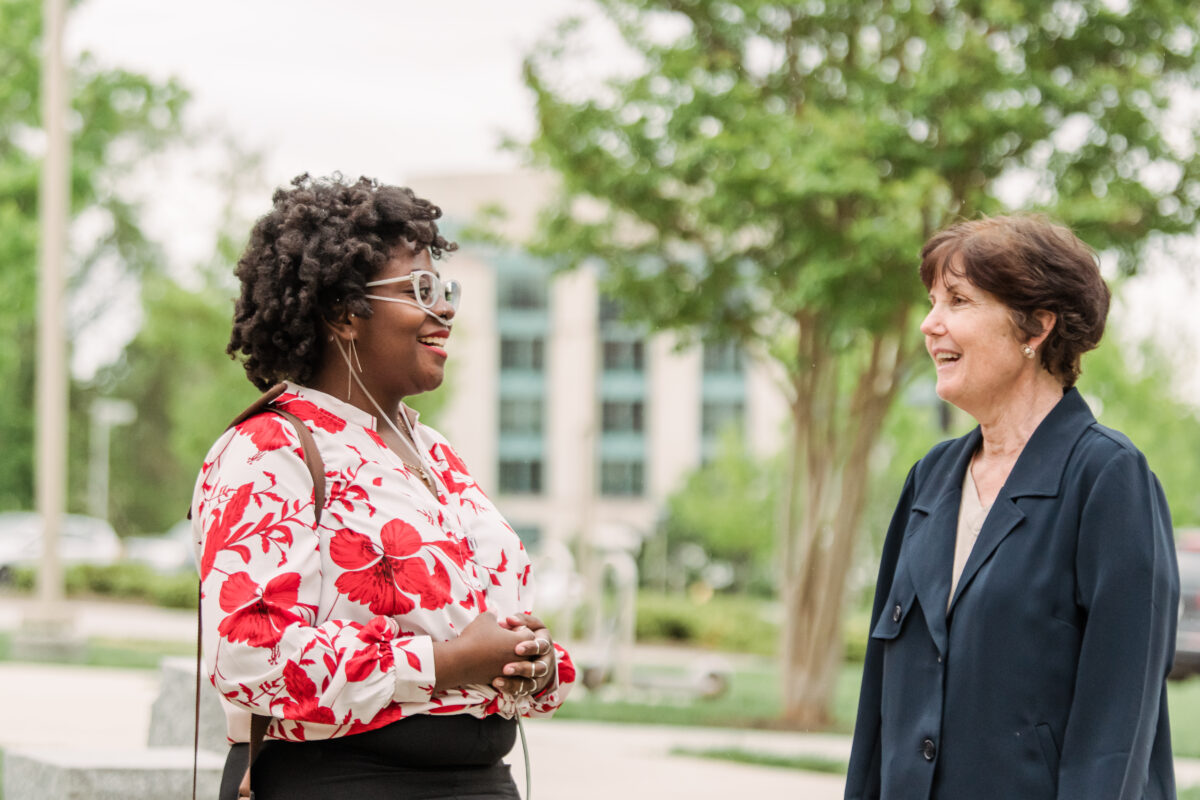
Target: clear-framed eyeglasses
{"x":428,"y":289}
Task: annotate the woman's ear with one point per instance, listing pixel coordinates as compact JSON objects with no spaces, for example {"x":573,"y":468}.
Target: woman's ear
{"x":345,"y":328}
{"x":1047,"y":320}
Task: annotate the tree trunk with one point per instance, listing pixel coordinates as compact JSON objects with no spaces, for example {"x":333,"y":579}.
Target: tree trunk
{"x":822,"y":506}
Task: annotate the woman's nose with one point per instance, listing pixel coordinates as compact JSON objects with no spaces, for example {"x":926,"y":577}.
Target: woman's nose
{"x":443,"y":309}
{"x":931,"y":323}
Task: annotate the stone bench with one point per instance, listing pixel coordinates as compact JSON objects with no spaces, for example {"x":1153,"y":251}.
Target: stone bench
{"x":164,"y":773}
{"x":162,"y":770}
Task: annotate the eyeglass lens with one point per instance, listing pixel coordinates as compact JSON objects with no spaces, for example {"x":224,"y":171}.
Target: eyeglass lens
{"x":428,"y":287}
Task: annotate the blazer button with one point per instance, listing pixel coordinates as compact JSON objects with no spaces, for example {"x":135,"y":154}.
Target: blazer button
{"x":897,"y":612}
{"x":928,"y":749}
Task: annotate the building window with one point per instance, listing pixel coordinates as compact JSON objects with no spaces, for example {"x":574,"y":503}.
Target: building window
{"x":610,"y":309}
{"x":625,"y":477}
{"x":624,"y":356}
{"x":521,"y":415}
{"x":522,"y":353}
{"x":527,"y":293}
{"x":718,"y":414}
{"x":521,"y":477}
{"x":530,"y":535}
{"x":723,"y":357}
{"x":621,"y":416}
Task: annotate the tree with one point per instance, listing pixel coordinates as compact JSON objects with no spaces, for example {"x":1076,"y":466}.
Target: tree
{"x":119,"y":117}
{"x":725,"y":508}
{"x":771,"y":173}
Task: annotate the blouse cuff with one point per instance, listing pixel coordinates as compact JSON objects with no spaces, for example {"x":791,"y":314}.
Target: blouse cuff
{"x":414,"y":671}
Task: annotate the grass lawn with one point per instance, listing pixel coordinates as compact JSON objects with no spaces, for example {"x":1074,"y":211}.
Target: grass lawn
{"x":808,"y":763}
{"x":124,"y":653}
{"x":1184,"y":700}
{"x":753,"y":702}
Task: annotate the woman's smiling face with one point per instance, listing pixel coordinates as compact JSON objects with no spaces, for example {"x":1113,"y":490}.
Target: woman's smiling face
{"x":970,"y":335}
{"x":401,"y":347}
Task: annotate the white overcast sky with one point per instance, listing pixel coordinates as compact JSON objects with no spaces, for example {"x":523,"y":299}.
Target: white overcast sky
{"x":387,"y":88}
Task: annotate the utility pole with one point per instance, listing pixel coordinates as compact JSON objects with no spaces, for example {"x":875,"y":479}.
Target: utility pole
{"x":47,"y":626}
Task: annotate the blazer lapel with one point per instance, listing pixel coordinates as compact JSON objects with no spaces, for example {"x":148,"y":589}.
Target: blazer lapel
{"x":1037,"y":473}
{"x":1000,"y":521}
{"x":930,"y":541}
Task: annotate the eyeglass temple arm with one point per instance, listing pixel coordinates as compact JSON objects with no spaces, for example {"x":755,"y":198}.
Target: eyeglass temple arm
{"x":386,"y":281}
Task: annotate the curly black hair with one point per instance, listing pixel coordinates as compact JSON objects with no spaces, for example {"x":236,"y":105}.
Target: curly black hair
{"x":309,"y":259}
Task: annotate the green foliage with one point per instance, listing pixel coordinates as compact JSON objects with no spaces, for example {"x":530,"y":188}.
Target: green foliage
{"x":778,"y":158}
{"x":1131,"y":392}
{"x":125,"y":581}
{"x":119,"y":118}
{"x":722,"y":622}
{"x":727,"y":508}
{"x":186,"y":390}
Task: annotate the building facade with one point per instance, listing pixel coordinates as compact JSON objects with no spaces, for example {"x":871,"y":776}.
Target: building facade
{"x":577,"y":423}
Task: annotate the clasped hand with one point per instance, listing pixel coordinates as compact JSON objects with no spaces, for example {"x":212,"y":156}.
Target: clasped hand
{"x":515,"y":655}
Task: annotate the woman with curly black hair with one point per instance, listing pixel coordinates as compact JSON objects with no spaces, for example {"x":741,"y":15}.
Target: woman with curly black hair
{"x":385,"y":632}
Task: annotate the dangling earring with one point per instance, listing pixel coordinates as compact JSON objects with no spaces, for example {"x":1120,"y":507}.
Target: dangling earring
{"x":353,"y":357}
{"x":1026,"y":350}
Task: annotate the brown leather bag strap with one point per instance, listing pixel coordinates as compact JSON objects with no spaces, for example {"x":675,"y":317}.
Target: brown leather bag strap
{"x":316,"y":468}
{"x":312,"y":459}
{"x":258,"y":731}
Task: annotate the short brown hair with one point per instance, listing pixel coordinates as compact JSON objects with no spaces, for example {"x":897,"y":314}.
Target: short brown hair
{"x":1030,"y":264}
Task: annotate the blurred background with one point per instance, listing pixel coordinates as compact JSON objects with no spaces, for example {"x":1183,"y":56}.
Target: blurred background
{"x":687,"y":364}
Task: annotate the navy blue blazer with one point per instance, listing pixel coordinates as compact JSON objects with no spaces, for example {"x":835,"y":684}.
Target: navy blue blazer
{"x":1046,"y":678}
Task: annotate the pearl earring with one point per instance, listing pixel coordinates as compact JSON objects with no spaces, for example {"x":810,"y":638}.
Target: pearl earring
{"x":1027,"y":351}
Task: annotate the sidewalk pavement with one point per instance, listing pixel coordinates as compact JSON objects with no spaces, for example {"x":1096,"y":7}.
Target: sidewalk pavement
{"x":94,"y":707}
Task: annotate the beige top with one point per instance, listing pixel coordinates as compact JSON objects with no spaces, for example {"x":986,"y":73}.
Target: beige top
{"x":971,"y":514}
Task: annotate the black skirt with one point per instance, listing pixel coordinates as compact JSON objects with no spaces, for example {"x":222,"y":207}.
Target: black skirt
{"x":456,"y":757}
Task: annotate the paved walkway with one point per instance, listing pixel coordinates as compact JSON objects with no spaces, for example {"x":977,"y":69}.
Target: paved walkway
{"x":72,"y":706}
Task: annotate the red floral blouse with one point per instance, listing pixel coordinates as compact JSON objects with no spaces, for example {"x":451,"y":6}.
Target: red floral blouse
{"x":330,"y":630}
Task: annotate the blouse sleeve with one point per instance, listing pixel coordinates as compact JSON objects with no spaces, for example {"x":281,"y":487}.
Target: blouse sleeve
{"x":1127,"y":582}
{"x":260,"y":573}
{"x":505,"y":567}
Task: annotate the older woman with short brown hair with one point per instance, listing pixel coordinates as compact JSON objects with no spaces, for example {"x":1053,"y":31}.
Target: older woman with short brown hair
{"x":1024,"y":614}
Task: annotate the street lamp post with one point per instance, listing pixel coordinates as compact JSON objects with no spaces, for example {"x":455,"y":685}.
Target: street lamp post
{"x":106,"y":414}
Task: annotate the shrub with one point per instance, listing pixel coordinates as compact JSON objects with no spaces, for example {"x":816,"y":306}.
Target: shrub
{"x":719,"y":622}
{"x":124,"y":580}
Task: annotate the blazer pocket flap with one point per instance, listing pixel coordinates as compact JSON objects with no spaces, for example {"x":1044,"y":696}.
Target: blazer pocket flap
{"x":899,"y":603}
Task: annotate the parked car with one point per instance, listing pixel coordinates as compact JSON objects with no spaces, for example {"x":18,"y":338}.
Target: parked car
{"x":167,"y":552}
{"x":82,"y":540}
{"x":1187,"y":642}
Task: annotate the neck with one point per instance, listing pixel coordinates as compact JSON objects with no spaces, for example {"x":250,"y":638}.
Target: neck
{"x":334,"y":378}
{"x":1007,"y":425}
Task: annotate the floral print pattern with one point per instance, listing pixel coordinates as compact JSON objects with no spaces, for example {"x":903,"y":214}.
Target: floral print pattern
{"x":330,"y":629}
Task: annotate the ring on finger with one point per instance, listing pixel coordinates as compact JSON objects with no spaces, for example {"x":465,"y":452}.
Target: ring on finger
{"x":540,"y":641}
{"x":545,"y":669}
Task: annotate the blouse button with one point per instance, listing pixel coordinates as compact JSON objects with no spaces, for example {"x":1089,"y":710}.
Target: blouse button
{"x":897,"y":612}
